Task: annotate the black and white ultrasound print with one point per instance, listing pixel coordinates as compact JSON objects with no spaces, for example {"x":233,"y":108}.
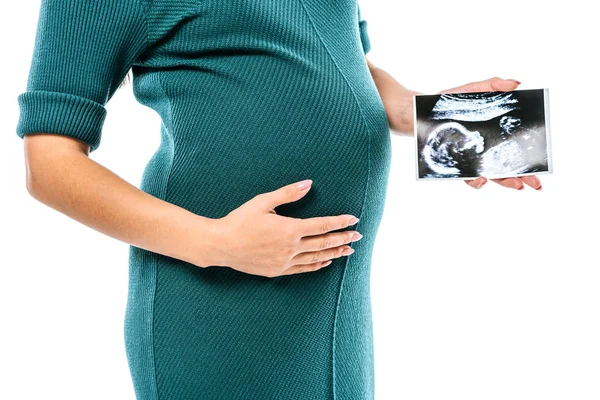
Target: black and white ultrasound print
{"x":491,"y":134}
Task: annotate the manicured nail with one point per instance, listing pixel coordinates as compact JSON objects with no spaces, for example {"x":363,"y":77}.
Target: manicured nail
{"x":353,"y":220}
{"x":348,"y":251}
{"x":355,"y":237}
{"x":540,"y":188}
{"x":302,"y":185}
{"x":326,"y":263}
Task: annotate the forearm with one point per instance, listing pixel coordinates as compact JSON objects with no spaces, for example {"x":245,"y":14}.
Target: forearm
{"x":397,"y":100}
{"x":75,"y":185}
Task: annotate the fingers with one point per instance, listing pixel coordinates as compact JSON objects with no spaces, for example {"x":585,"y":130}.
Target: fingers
{"x":478,"y":86}
{"x":476,"y":183}
{"x":308,"y":262}
{"x":313,"y":261}
{"x":322,"y":255}
{"x":298,"y":269}
{"x":491,"y":84}
{"x":512,"y":183}
{"x":322,"y":242}
{"x":327,"y":248}
{"x":504,"y":85}
{"x":286,"y":194}
{"x":321,"y":225}
{"x":519,"y":183}
{"x":532,"y":181}
{"x":316,"y":246}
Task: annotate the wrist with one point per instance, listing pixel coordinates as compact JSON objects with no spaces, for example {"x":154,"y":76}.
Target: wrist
{"x":401,"y":117}
{"x":203,"y":247}
{"x":214,"y":245}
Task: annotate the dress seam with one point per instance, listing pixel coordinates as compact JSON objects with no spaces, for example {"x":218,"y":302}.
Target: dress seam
{"x":155,"y":259}
{"x":144,"y":8}
{"x":164,"y":197}
{"x":142,"y":4}
{"x":366,"y":186}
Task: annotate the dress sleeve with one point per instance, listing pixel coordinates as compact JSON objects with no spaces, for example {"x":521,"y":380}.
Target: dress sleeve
{"x":364,"y":35}
{"x":83,"y":50}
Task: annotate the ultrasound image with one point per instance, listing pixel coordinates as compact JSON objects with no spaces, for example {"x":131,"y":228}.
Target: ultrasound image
{"x":491,"y":134}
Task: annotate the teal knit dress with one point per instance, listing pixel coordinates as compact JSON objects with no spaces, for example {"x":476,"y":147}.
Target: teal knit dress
{"x":253,"y":95}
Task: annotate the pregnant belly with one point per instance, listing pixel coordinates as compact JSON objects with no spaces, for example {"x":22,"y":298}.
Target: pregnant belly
{"x":221,"y":148}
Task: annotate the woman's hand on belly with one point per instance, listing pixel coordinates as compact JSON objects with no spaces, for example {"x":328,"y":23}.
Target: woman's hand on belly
{"x":254,"y":239}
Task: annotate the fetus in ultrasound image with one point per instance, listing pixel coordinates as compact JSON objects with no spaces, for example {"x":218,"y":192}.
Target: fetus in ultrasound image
{"x":492,"y":134}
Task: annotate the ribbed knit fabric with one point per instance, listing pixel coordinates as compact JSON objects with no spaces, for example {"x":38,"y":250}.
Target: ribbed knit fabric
{"x":253,"y":95}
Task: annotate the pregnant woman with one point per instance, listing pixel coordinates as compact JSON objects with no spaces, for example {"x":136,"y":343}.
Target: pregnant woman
{"x":248,"y":275}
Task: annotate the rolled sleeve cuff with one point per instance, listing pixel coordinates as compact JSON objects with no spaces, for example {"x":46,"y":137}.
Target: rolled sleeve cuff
{"x":364,"y":36}
{"x":44,"y":111}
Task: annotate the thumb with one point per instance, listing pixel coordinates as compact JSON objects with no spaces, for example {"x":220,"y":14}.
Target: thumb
{"x":285,"y":194}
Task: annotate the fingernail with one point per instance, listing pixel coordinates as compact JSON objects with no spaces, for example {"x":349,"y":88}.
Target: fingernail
{"x":326,"y":263}
{"x":514,"y":80}
{"x":353,"y":220}
{"x":522,"y":187}
{"x":348,"y":251}
{"x":355,"y":237}
{"x":540,"y":188}
{"x":302,"y":185}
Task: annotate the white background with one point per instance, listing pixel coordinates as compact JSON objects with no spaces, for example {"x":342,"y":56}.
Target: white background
{"x":477,"y":294}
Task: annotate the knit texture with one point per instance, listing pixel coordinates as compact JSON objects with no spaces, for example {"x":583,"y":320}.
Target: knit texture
{"x":253,"y":95}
